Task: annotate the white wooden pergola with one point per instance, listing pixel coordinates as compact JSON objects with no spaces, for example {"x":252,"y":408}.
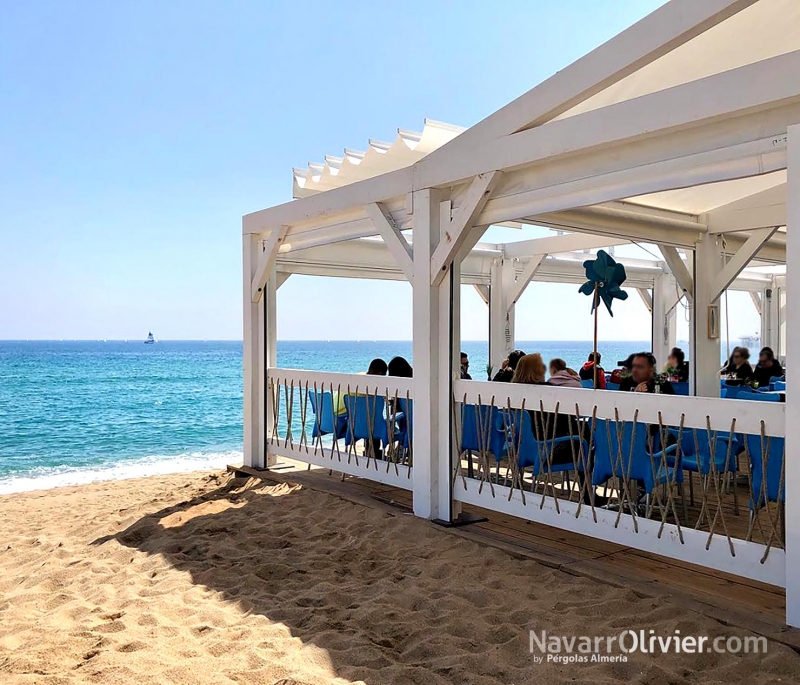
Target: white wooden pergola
{"x":682,"y":132}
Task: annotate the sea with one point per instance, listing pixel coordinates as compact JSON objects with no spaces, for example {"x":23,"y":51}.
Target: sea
{"x":74,"y":412}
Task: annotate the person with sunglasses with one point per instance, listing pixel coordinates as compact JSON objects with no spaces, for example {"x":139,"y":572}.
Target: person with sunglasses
{"x":738,"y":370}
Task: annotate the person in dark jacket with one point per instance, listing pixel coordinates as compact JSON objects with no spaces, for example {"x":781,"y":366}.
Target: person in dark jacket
{"x":738,"y":370}
{"x":677,"y":363}
{"x":547,"y":425}
{"x":767,"y":368}
{"x":506,"y":372}
{"x":465,"y":367}
{"x":642,"y":378}
{"x":587,"y":371}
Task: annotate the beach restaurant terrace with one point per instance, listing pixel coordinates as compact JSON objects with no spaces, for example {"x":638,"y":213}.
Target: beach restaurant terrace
{"x":682,"y":133}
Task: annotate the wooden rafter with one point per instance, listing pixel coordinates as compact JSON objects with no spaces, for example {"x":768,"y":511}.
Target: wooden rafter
{"x":457,"y":234}
{"x":266,"y":261}
{"x":395,"y":241}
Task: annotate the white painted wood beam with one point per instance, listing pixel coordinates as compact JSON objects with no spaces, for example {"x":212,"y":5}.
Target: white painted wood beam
{"x":762,"y":210}
{"x":678,"y":269}
{"x":740,"y":260}
{"x":654,"y":36}
{"x":523,"y":279}
{"x":647,"y":298}
{"x":483,"y":291}
{"x":721,"y":95}
{"x":792,"y":464}
{"x":456,"y":234}
{"x":669,"y":173}
{"x":395,"y":241}
{"x":282,"y":277}
{"x":561,"y":243}
{"x":266,"y":260}
{"x":756,"y":297}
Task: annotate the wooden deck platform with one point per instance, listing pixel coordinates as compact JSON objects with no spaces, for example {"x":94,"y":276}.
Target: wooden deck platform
{"x":748,"y":604}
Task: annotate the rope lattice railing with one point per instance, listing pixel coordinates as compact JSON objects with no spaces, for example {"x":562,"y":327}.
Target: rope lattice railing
{"x":340,"y":422}
{"x":678,"y":475}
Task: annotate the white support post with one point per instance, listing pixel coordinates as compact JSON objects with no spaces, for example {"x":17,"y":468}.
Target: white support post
{"x":432,"y":351}
{"x":501,"y":312}
{"x":792,"y":464}
{"x":253,"y":357}
{"x":708,"y":325}
{"x":665,"y":296}
{"x":268,"y":317}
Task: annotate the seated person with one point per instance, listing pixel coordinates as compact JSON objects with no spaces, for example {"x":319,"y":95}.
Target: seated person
{"x":738,"y":370}
{"x":399,"y":367}
{"x":562,"y":376}
{"x":677,"y":365}
{"x":587,"y":371}
{"x":465,"y":367}
{"x":507,"y":368}
{"x":377,"y":367}
{"x":642,"y":378}
{"x":624,"y":370}
{"x":767,"y":368}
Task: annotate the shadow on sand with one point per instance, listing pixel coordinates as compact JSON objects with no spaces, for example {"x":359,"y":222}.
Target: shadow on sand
{"x":389,"y":597}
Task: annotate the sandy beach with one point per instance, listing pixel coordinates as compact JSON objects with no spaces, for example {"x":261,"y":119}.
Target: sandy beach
{"x":202,"y":578}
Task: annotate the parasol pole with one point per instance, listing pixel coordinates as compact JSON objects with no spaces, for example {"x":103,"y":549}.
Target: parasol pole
{"x":596,"y":297}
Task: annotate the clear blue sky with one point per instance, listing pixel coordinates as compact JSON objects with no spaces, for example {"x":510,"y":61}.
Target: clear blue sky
{"x":134,"y":135}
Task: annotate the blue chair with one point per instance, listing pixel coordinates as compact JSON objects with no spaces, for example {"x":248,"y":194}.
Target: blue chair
{"x":626,"y":454}
{"x":366,"y":419}
{"x":779,"y":386}
{"x":612,"y":386}
{"x":535,"y":452}
{"x":703,"y":452}
{"x":588,"y":383}
{"x":326,"y":421}
{"x":681,"y":388}
{"x":761,"y":397}
{"x":737,"y":392}
{"x":405,"y":422}
{"x":482,"y":430}
{"x":766,"y":489}
{"x":777,"y":379}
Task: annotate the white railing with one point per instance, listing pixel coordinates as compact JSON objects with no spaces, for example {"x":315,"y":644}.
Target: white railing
{"x":349,"y":423}
{"x":706,"y":527}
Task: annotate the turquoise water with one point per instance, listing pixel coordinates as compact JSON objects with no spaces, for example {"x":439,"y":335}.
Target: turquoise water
{"x":75,"y":412}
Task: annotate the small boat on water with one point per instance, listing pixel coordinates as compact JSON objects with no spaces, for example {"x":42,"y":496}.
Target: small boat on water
{"x":150,"y":340}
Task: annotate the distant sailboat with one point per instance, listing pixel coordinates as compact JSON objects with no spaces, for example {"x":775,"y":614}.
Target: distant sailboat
{"x":150,"y":339}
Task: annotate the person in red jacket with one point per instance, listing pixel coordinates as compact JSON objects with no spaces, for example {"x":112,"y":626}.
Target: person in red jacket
{"x":587,"y":371}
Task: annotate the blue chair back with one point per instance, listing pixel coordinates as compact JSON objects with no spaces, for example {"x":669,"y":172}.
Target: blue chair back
{"x":588,"y":383}
{"x":779,"y":385}
{"x":406,"y":423}
{"x":698,"y":446}
{"x":622,"y":450}
{"x":612,"y":386}
{"x":769,"y":450}
{"x":482,"y":430}
{"x":533,"y":452}
{"x":363,"y":411}
{"x":761,"y":397}
{"x":735,"y":392}
{"x":326,"y":421}
{"x":681,"y":388}
{"x":777,"y":379}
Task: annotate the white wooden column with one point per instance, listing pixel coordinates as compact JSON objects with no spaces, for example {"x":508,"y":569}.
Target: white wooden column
{"x":705,"y":352}
{"x":502,"y":336}
{"x":664,"y":317}
{"x":432,"y":351}
{"x":269,"y":353}
{"x":252,"y":357}
{"x":793,"y":382}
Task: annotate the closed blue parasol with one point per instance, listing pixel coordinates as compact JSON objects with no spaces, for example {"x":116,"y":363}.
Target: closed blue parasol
{"x":605,"y":278}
